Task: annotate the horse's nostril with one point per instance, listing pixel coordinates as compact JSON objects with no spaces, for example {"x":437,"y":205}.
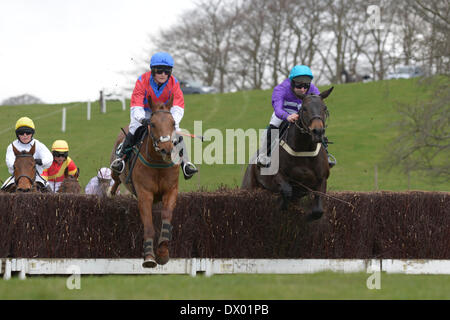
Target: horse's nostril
{"x":317,"y":131}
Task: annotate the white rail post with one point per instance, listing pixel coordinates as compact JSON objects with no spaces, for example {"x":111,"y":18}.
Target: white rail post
{"x":102,"y":101}
{"x":63,"y":126}
{"x":123,"y":103}
{"x":193,"y":270}
{"x":89,"y":110}
{"x":7,"y":273}
{"x":22,"y":274}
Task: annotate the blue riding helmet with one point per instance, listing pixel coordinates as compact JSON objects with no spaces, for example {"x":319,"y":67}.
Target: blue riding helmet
{"x":161,"y":59}
{"x":300,"y":70}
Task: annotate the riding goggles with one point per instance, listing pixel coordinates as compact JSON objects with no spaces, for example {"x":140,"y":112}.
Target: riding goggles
{"x":24,"y":130}
{"x":161,"y":70}
{"x":300,"y":85}
{"x":60,"y":154}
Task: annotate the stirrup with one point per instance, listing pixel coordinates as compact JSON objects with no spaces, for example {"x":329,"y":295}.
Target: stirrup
{"x":118,"y":165}
{"x":185,"y":167}
{"x":263,"y":161}
{"x":331,"y":160}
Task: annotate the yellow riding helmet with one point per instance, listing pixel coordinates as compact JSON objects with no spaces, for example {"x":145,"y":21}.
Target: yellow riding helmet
{"x":60,"y":146}
{"x":25,"y":122}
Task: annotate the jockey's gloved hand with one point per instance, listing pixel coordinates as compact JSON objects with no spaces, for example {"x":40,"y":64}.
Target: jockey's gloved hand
{"x":145,"y":122}
{"x":38,"y":161}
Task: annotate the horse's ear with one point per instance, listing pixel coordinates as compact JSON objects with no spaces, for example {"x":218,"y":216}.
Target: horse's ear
{"x":169,"y":103}
{"x":33,"y":149}
{"x":150,"y":102}
{"x":77,"y":174}
{"x":16,"y":152}
{"x":325,"y":94}
{"x":66,"y":172}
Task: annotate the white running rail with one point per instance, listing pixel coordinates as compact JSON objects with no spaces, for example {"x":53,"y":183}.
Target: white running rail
{"x":219,"y":266}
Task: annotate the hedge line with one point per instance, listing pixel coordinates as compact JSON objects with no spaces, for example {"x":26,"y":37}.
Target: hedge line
{"x":230,"y":224}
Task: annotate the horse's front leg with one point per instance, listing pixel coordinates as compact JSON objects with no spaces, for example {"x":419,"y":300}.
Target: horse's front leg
{"x":317,"y":207}
{"x":145,"y":202}
{"x":111,"y":191}
{"x":169,"y":201}
{"x":285,"y":189}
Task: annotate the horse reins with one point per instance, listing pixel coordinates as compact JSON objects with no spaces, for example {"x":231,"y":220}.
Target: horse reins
{"x":16,"y":181}
{"x":161,"y":139}
{"x":303,"y":127}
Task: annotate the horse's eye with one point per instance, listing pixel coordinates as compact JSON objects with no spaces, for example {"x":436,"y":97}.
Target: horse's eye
{"x":152,"y":124}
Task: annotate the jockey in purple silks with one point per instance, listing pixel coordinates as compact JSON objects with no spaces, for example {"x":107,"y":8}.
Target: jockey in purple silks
{"x":286,"y":104}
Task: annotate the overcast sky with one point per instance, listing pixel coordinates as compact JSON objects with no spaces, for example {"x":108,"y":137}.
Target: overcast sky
{"x":67,"y":50}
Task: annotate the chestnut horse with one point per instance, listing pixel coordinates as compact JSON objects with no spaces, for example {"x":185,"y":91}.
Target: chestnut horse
{"x":25,"y":172}
{"x":70,"y":183}
{"x":303,"y":162}
{"x":154,"y":178}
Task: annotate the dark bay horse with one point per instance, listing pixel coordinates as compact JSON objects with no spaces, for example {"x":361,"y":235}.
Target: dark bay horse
{"x":154,"y":178}
{"x":303,"y":162}
{"x":70,"y":183}
{"x":24,"y":172}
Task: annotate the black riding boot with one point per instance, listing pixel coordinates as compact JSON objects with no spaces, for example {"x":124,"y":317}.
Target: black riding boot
{"x":331,"y":159}
{"x":187,"y":167}
{"x":119,"y":163}
{"x":264,"y":159}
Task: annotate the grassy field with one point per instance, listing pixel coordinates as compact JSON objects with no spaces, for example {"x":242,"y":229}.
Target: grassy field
{"x":325,"y":285}
{"x":360,"y":126}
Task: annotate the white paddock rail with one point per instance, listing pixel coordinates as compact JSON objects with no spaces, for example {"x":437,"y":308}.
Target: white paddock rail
{"x":218,"y":266}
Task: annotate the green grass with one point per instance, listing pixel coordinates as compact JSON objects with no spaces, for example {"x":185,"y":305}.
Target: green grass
{"x":360,"y":126}
{"x":361,"y":129}
{"x":325,"y":285}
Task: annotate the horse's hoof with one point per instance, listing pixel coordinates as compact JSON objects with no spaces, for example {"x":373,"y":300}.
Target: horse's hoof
{"x":162,"y":255}
{"x":149,"y":263}
{"x":315,"y":215}
{"x":162,"y":259}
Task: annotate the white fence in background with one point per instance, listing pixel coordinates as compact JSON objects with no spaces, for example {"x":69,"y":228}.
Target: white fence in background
{"x":219,"y":266}
{"x":63,"y":125}
{"x":104,"y":96}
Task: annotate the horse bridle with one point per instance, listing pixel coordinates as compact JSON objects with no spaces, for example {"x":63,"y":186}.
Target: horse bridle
{"x":304,"y":127}
{"x":32,"y":180}
{"x":161,"y":139}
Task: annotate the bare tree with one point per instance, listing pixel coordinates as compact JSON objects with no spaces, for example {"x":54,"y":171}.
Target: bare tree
{"x":381,"y":50}
{"x":344,"y":38}
{"x":303,"y":33}
{"x":21,"y":100}
{"x":423,"y":141}
{"x":277,"y":24}
{"x":251,"y":46}
{"x":436,"y":18}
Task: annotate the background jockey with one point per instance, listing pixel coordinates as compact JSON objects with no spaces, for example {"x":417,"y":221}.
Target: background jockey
{"x":159,"y":84}
{"x":61,"y":160}
{"x":25,"y":140}
{"x":99,"y":184}
{"x":286,"y":104}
